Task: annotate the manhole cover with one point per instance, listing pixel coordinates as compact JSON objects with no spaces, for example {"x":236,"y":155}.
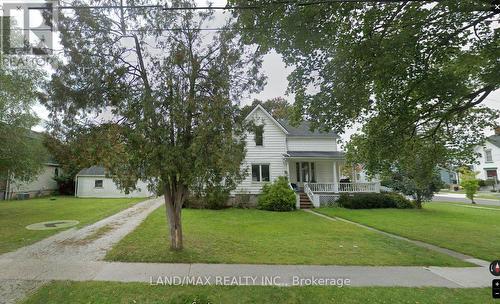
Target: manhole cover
{"x":52,"y":225}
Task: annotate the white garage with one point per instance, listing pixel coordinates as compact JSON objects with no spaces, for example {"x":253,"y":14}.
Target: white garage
{"x":92,"y":182}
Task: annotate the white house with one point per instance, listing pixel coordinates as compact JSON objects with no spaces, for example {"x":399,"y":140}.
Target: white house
{"x":93,"y":182}
{"x":43,"y":184}
{"x":310,"y":159}
{"x":489,"y":160}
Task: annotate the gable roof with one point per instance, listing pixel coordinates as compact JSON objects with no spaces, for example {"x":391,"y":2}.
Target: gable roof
{"x":303,"y":129}
{"x":92,"y":171}
{"x":494,"y":139}
{"x":268,"y":115}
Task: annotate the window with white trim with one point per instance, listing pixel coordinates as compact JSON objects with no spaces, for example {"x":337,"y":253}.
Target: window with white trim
{"x":260,"y":173}
{"x":259,"y":135}
{"x":491,"y":174}
{"x":488,"y":156}
{"x":98,"y":183}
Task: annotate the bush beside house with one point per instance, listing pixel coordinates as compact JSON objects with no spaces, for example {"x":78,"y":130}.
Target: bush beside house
{"x":374,"y":200}
{"x":277,"y":196}
{"x":213,"y":198}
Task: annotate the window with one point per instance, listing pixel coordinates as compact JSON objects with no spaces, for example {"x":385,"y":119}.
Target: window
{"x":491,"y":174}
{"x":260,"y":173}
{"x":98,"y":183}
{"x":264,"y":170}
{"x":489,"y":157}
{"x":56,"y":172}
{"x":306,"y":172}
{"x":259,"y":135}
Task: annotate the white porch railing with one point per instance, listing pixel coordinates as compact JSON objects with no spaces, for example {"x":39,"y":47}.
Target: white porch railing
{"x":314,"y":198}
{"x":315,"y":187}
{"x":343,"y":187}
{"x":324,"y":194}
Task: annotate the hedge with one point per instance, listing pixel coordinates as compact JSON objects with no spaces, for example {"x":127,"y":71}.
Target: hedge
{"x":374,"y":200}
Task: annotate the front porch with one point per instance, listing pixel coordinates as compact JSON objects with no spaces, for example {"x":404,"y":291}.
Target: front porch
{"x":325,"y":194}
{"x":320,"y":179}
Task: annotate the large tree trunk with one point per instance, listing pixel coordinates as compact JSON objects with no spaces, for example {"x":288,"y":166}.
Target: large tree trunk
{"x":174,"y":199}
{"x":418,"y":201}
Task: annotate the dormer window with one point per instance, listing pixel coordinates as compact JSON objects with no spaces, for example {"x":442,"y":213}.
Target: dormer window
{"x":259,"y":135}
{"x":488,"y":156}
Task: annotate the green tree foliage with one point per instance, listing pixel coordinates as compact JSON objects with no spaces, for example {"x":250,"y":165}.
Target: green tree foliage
{"x":278,"y":107}
{"x":21,"y":150}
{"x":414,"y":74}
{"x":171,"y":90}
{"x":417,"y":183}
{"x":469,"y":182}
{"x":85,"y":147}
{"x":409,"y":169}
{"x":277,"y":196}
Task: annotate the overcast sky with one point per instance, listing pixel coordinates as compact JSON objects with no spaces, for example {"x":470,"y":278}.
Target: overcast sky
{"x":276,"y":72}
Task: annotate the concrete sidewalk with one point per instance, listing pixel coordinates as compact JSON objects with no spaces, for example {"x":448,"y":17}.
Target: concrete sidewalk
{"x":226,"y":274}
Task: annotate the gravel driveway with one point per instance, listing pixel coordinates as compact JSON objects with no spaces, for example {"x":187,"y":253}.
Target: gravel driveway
{"x":87,"y":244}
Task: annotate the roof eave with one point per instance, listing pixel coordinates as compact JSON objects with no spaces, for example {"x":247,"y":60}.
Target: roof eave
{"x":315,"y":136}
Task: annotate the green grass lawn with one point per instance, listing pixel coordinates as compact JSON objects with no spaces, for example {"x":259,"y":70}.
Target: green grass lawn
{"x":487,"y":196}
{"x":467,"y":205}
{"x":111,"y":293}
{"x":263,"y":237}
{"x":16,"y":215}
{"x":467,"y":230}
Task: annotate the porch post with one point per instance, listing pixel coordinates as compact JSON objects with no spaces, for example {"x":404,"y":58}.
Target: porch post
{"x":288,"y":171}
{"x":335,"y":178}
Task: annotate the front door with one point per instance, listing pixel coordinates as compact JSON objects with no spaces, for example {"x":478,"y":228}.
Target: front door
{"x":305,"y":172}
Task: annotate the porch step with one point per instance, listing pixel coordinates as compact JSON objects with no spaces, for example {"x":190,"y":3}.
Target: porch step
{"x":305,"y":203}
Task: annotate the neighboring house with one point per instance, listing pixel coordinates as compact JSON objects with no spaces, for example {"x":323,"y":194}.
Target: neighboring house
{"x":94,"y":182}
{"x":489,"y":160}
{"x":43,"y":184}
{"x":448,"y":176}
{"x":310,"y":159}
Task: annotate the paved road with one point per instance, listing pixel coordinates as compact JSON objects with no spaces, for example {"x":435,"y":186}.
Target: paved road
{"x":460,"y":198}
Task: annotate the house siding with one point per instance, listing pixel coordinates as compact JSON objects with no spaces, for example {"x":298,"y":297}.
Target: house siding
{"x":85,"y":188}
{"x":274,"y":146}
{"x":481,"y":168}
{"x":43,"y":184}
{"x":328,"y":144}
